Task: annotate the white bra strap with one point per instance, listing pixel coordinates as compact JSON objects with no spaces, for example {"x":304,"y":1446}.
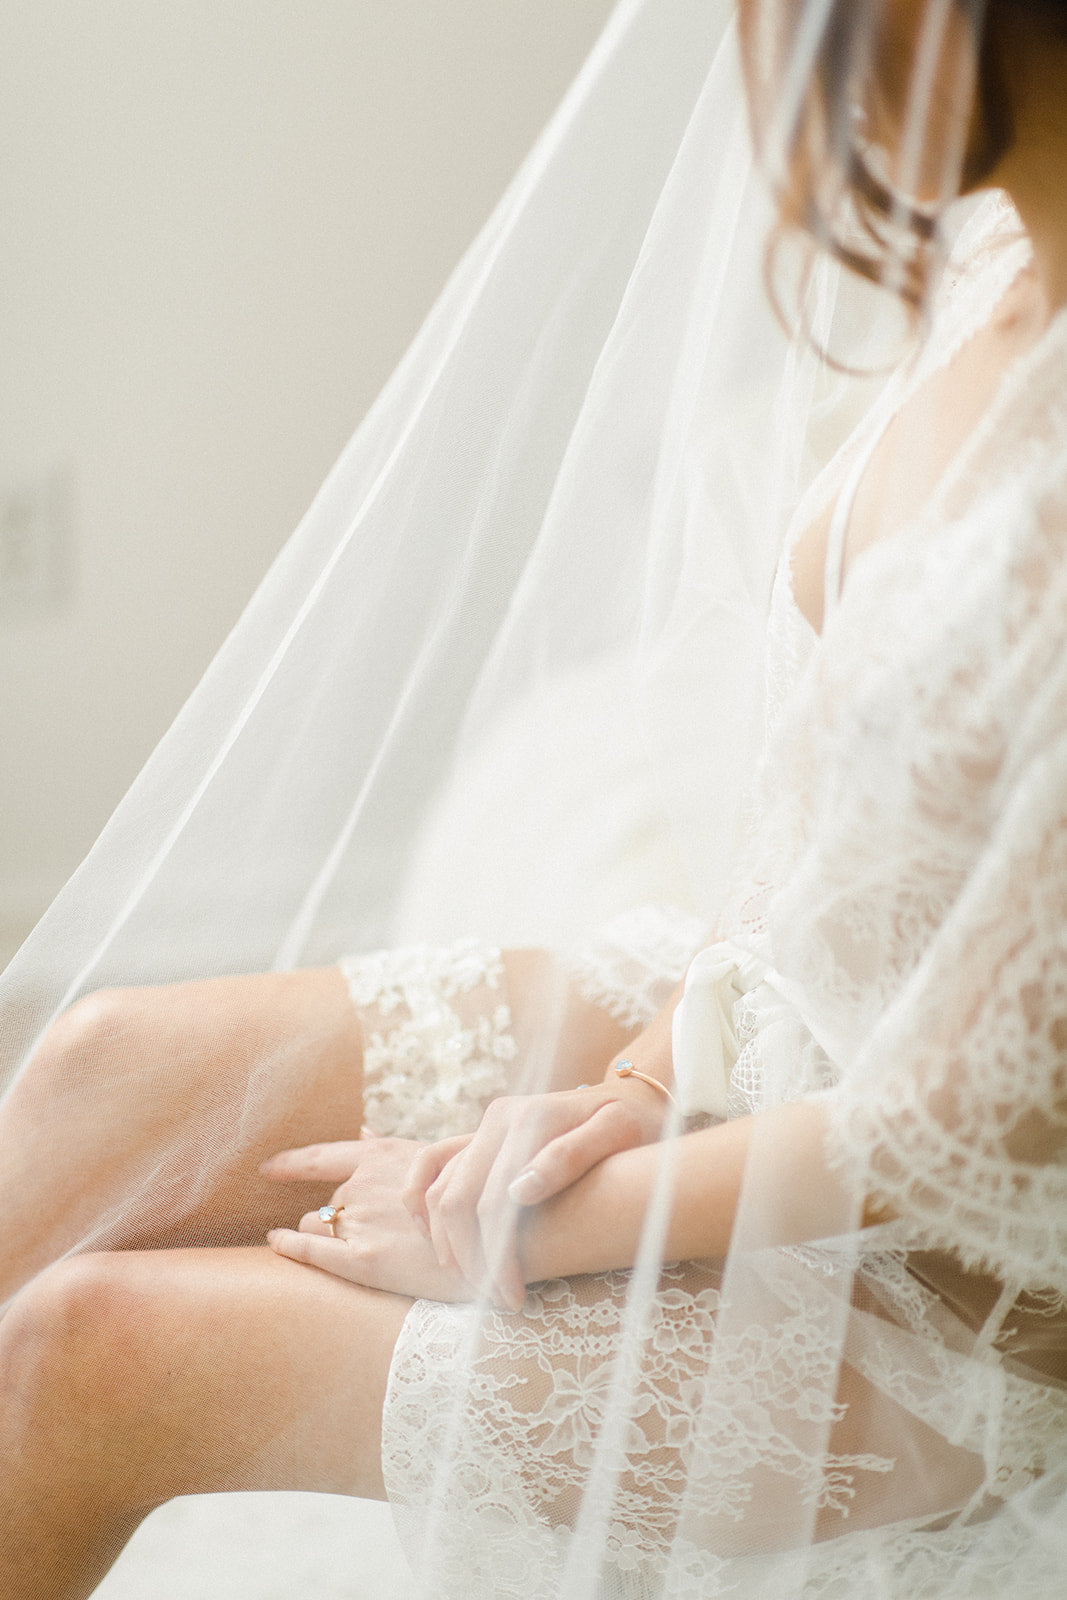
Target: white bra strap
{"x":835,"y":539}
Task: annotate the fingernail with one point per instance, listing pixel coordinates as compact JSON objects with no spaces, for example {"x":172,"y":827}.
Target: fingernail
{"x":274,"y":1235}
{"x":527,"y":1188}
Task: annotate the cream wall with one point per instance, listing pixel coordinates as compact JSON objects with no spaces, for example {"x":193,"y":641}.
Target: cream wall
{"x":222,"y":221}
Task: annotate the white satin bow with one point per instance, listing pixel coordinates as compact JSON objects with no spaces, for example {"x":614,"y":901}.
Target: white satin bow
{"x":704,"y":1041}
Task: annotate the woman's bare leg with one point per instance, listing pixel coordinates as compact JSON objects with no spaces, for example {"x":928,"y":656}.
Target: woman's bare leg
{"x":137,"y":1373}
{"x":161,"y":1102}
{"x":225,"y":1370}
{"x":152,"y":1108}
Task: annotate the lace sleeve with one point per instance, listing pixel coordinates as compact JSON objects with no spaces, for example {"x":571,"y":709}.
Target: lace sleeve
{"x":633,"y":961}
{"x":954,"y":1113}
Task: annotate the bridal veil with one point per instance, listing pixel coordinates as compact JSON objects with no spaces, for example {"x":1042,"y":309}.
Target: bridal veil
{"x":530,"y":662}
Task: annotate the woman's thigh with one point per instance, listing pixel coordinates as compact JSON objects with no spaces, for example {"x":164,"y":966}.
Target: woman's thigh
{"x":449,"y":1028}
{"x":152,"y":1108}
{"x":133,"y":1377}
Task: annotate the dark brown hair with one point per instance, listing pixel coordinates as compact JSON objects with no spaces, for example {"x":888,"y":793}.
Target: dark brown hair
{"x":828,"y":187}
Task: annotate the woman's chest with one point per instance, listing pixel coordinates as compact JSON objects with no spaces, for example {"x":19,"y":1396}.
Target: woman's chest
{"x":885,"y":775}
{"x":901,"y":466}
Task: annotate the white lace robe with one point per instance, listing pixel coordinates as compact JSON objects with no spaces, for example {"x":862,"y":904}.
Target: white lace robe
{"x":905,"y":888}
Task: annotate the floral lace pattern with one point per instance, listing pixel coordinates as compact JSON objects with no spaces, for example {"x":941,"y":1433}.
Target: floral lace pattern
{"x":945,"y":1097}
{"x":539,"y":1395}
{"x":437,"y":1043}
{"x":630,"y":968}
{"x":904,"y":884}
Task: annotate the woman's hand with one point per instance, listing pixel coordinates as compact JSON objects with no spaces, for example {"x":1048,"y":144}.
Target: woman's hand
{"x":469,"y":1193}
{"x":378,"y":1243}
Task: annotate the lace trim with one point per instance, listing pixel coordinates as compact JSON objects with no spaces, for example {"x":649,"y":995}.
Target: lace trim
{"x":635,"y":961}
{"x":523,"y":1407}
{"x":437,"y":1036}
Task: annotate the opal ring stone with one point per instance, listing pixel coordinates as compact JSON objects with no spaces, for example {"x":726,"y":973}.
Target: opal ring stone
{"x":329,"y":1215}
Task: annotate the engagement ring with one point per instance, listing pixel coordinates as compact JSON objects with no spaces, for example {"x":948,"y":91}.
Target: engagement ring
{"x":329,"y":1215}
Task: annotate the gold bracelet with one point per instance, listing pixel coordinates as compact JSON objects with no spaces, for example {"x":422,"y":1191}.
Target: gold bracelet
{"x":626,"y":1069}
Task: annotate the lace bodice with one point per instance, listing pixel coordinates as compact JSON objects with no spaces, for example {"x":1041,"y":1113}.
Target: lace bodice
{"x":898,"y":919}
{"x":907,"y":879}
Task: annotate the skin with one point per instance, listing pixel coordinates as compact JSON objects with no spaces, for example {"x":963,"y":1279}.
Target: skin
{"x":228,"y":1368}
{"x":198,"y":1318}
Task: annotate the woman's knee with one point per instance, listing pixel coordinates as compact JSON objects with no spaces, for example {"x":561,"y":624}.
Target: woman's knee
{"x":100,"y":1026}
{"x":66,"y":1329}
{"x":77,"y":1378}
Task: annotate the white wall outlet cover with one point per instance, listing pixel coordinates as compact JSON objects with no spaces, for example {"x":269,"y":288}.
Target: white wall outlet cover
{"x":35,"y":544}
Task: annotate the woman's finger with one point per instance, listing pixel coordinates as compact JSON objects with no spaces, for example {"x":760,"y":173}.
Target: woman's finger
{"x":332,"y":1255}
{"x":425,"y":1171}
{"x":504,"y":1282}
{"x":452,"y":1199}
{"x":444,"y":1193}
{"x":498,"y":1222}
{"x":613,"y":1127}
{"x":452,"y":1206}
{"x":326,"y":1163}
{"x":472,"y":1220}
{"x":476,"y":1216}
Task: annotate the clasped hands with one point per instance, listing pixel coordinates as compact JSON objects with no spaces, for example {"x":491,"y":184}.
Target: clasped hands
{"x":445,"y":1221}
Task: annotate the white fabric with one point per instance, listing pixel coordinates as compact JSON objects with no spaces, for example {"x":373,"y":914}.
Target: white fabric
{"x":437,"y":1038}
{"x":854,"y":918}
{"x":632,"y":963}
{"x":533,"y":660}
{"x":704,"y":1045}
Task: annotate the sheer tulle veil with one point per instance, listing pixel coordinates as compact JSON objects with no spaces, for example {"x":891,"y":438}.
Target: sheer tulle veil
{"x":511,"y":678}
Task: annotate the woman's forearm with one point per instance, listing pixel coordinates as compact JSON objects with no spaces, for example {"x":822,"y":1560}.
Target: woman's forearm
{"x":651,"y":1050}
{"x":596,"y":1224}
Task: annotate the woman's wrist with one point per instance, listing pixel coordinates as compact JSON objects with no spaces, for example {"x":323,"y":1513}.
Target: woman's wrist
{"x":625,"y":1069}
{"x":593,"y":1225}
{"x":650,"y":1106}
{"x":641,"y":1075}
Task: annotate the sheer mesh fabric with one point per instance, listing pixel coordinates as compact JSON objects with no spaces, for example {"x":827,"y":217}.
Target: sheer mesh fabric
{"x":915,"y":953}
{"x":437,"y":1036}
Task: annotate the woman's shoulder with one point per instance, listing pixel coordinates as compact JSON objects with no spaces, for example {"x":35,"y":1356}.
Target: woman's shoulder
{"x":1012,"y":477}
{"x":1028,"y":473}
